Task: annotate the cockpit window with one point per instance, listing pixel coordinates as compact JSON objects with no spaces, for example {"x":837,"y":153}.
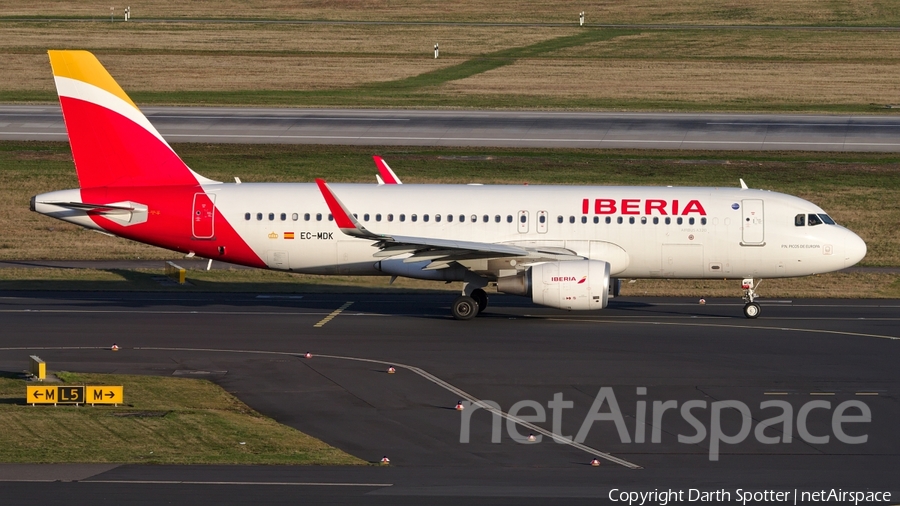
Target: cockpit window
{"x":814,"y":220}
{"x":800,"y":220}
{"x":827,"y":219}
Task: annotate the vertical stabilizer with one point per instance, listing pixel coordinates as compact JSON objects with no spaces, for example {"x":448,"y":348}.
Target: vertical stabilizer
{"x":113,"y":143}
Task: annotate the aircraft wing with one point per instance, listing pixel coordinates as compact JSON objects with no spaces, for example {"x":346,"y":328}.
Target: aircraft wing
{"x":440,"y":251}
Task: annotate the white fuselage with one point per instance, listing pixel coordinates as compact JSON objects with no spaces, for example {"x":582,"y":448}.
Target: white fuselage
{"x":643,"y":232}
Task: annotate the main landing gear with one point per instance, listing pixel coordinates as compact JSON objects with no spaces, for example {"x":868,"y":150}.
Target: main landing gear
{"x":466,"y":307}
{"x":751,"y":308}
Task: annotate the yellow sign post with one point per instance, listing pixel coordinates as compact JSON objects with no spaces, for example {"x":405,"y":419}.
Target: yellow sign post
{"x":104,"y":395}
{"x":41,"y":395}
{"x":74,"y":395}
{"x":54,"y":395}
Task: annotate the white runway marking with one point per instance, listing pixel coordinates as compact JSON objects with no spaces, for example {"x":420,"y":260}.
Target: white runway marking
{"x":668,"y":142}
{"x":716,"y":325}
{"x":530,"y":139}
{"x":271,"y":118}
{"x":737,"y":123}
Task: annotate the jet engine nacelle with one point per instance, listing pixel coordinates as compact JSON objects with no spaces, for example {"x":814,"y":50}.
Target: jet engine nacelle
{"x":573,"y":284}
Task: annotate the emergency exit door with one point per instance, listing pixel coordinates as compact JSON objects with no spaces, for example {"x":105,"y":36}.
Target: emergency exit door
{"x":203,"y":216}
{"x":522,"y":220}
{"x":753,"y":222}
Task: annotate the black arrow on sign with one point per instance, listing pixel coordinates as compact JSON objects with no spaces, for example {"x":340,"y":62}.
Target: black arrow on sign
{"x":110,"y":395}
{"x":37,"y":394}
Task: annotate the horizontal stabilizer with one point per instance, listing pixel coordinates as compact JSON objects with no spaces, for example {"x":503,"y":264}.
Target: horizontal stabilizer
{"x":92,"y":207}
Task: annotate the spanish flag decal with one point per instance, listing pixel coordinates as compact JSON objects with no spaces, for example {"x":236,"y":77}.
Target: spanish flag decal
{"x":288,"y":235}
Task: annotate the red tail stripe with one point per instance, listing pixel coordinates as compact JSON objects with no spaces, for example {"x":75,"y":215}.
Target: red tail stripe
{"x":111,"y":150}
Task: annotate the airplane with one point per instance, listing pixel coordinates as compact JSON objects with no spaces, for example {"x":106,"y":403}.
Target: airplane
{"x":564,"y":247}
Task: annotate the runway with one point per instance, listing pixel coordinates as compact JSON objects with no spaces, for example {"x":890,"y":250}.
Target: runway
{"x":643,"y":351}
{"x":876,"y":133}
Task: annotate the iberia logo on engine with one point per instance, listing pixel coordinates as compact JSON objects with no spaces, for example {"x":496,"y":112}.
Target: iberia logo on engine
{"x":560,"y":279}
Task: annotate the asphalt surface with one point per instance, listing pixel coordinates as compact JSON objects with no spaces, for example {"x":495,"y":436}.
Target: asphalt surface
{"x":490,"y":129}
{"x":254,"y":345}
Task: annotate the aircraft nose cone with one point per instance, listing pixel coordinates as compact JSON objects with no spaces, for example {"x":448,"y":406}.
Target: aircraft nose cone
{"x":855,"y":249}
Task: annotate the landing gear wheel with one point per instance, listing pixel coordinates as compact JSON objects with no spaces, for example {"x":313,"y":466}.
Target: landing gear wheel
{"x":481,"y":299}
{"x":751,"y":310}
{"x":464,"y":308}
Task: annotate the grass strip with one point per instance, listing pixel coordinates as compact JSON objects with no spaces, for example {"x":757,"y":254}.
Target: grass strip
{"x":166,"y":421}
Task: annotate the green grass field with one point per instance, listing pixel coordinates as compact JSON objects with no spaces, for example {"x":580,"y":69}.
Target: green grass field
{"x":165,"y":421}
{"x":699,"y":12}
{"x":488,"y":67}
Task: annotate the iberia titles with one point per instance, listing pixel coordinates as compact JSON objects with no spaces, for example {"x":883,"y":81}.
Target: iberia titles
{"x":661,"y":207}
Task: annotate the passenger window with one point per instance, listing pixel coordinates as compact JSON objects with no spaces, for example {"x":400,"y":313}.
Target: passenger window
{"x":643,"y":220}
{"x":412,"y":218}
{"x":247,"y":216}
{"x":330,"y":217}
{"x":283,"y":217}
{"x":271,"y":216}
{"x":437,"y":218}
{"x":656,"y":220}
{"x":318,"y":216}
{"x":424,"y":217}
{"x":813,"y":220}
{"x":402,"y":217}
{"x":800,"y":220}
{"x":462,"y":218}
{"x":485,"y":218}
{"x":390,"y":217}
{"x":474,"y":219}
{"x":584,"y":219}
{"x":523,"y":218}
{"x":366,"y":217}
{"x":542,"y":218}
{"x":306,"y":217}
{"x":378,"y":217}
{"x":449,"y":218}
{"x":619,"y":220}
{"x":295,"y":217}
{"x":668,"y":220}
{"x":497,"y":219}
{"x":703,"y":221}
{"x":608,"y":220}
{"x":680,"y":221}
{"x":596,"y":219}
{"x":509,"y":218}
{"x":559,"y":219}
{"x":827,"y":219}
{"x":259,"y":216}
{"x":571,"y":219}
{"x":631,"y":220}
{"x":691,"y":220}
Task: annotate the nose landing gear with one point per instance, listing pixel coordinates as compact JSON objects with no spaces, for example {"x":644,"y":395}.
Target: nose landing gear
{"x":751,"y":308}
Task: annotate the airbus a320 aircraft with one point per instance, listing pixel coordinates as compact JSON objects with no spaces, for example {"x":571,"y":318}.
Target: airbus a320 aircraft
{"x":562,"y":246}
